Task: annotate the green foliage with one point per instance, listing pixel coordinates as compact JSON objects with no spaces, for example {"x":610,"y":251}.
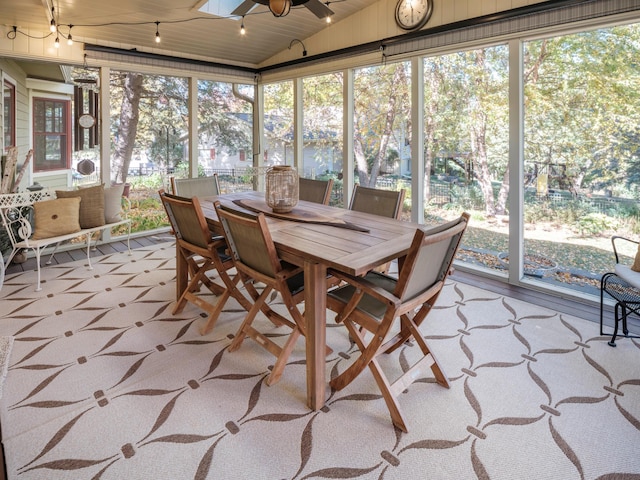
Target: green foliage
{"x":147,"y":214}
{"x":594,"y":224}
{"x":467,"y":196}
{"x":147,"y":182}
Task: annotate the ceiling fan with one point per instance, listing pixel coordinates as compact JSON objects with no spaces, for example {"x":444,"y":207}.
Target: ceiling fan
{"x":280,"y":8}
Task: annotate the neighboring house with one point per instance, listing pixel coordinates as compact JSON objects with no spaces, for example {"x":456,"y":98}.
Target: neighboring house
{"x":37,"y":113}
{"x":321,"y":151}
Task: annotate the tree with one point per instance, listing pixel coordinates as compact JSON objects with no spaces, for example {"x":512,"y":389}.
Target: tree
{"x":583,"y":106}
{"x":466,"y":117}
{"x":149,"y":109}
{"x":381,"y":105}
{"x":127,"y":125}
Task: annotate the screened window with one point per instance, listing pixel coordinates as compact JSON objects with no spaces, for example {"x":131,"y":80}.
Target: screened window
{"x":51,"y":139}
{"x":9,"y":113}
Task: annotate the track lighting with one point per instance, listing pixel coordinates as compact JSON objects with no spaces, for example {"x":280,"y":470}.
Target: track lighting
{"x":242,"y":30}
{"x":157,"y":32}
{"x":304,"y":49}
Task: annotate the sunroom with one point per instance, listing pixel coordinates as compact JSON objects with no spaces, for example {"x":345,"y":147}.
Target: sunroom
{"x":524,"y":114}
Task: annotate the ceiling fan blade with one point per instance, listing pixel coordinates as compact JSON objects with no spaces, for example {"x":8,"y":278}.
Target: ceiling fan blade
{"x":319,"y":8}
{"x":244,"y":8}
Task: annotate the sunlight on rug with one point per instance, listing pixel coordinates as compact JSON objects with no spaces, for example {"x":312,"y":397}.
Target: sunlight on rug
{"x":104,"y":382}
{"x":6,"y":344}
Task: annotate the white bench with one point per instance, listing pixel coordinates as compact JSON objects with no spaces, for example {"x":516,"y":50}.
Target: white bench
{"x":16,"y":210}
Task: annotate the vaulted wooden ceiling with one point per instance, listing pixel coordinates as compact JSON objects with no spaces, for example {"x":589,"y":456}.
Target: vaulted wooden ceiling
{"x":184,"y":30}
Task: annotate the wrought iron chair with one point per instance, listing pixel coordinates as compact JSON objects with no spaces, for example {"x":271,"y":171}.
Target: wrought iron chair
{"x":371,"y":304}
{"x":317,"y":191}
{"x":623,"y":285}
{"x":256,"y":260}
{"x":196,"y":187}
{"x":203,"y":252}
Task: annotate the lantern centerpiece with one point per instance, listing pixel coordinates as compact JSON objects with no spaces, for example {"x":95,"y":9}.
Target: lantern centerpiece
{"x":281,"y":186}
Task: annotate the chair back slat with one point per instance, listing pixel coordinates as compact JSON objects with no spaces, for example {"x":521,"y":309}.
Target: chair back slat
{"x":249,"y":240}
{"x":316,"y":191}
{"x":386,"y":203}
{"x":196,"y":187}
{"x":430,"y":258}
{"x":186,"y":219}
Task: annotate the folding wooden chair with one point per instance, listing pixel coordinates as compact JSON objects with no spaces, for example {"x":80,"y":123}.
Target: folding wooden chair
{"x":203,"y":252}
{"x":316,"y":191}
{"x":196,"y":187}
{"x":386,"y":203}
{"x":372,"y":303}
{"x":256,"y":259}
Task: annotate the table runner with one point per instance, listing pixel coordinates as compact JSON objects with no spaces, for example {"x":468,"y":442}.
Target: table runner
{"x":298,"y":214}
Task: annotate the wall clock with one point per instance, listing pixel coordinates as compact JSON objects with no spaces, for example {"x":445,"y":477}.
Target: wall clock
{"x":86,"y":121}
{"x":413,"y":14}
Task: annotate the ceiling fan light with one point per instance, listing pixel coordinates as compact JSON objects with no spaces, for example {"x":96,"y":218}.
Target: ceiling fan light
{"x":280,"y":8}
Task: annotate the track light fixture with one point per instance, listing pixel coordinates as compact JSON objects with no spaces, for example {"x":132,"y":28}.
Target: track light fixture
{"x":304,"y":49}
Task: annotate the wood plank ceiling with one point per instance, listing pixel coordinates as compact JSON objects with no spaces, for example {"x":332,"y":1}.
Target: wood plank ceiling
{"x":184,"y":30}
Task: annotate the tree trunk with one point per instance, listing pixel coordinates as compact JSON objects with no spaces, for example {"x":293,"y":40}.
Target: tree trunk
{"x":361,"y":162}
{"x":479,"y":144}
{"x":481,"y":165}
{"x":128,"y":126}
{"x":501,"y":206}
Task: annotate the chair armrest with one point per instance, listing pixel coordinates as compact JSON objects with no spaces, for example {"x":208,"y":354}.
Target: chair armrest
{"x":618,"y":239}
{"x":289,"y":270}
{"x":367,"y":287}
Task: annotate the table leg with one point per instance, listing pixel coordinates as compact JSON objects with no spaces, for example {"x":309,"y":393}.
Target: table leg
{"x":316,"y":318}
{"x":182,"y":272}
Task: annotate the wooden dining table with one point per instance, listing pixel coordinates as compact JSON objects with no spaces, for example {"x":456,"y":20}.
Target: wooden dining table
{"x":318,"y":237}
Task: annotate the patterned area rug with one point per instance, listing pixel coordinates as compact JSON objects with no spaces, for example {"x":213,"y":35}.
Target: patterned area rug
{"x":105,"y":383}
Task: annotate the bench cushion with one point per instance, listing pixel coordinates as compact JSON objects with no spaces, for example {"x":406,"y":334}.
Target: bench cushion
{"x":56,"y":217}
{"x":91,"y":204}
{"x":628,"y":275}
